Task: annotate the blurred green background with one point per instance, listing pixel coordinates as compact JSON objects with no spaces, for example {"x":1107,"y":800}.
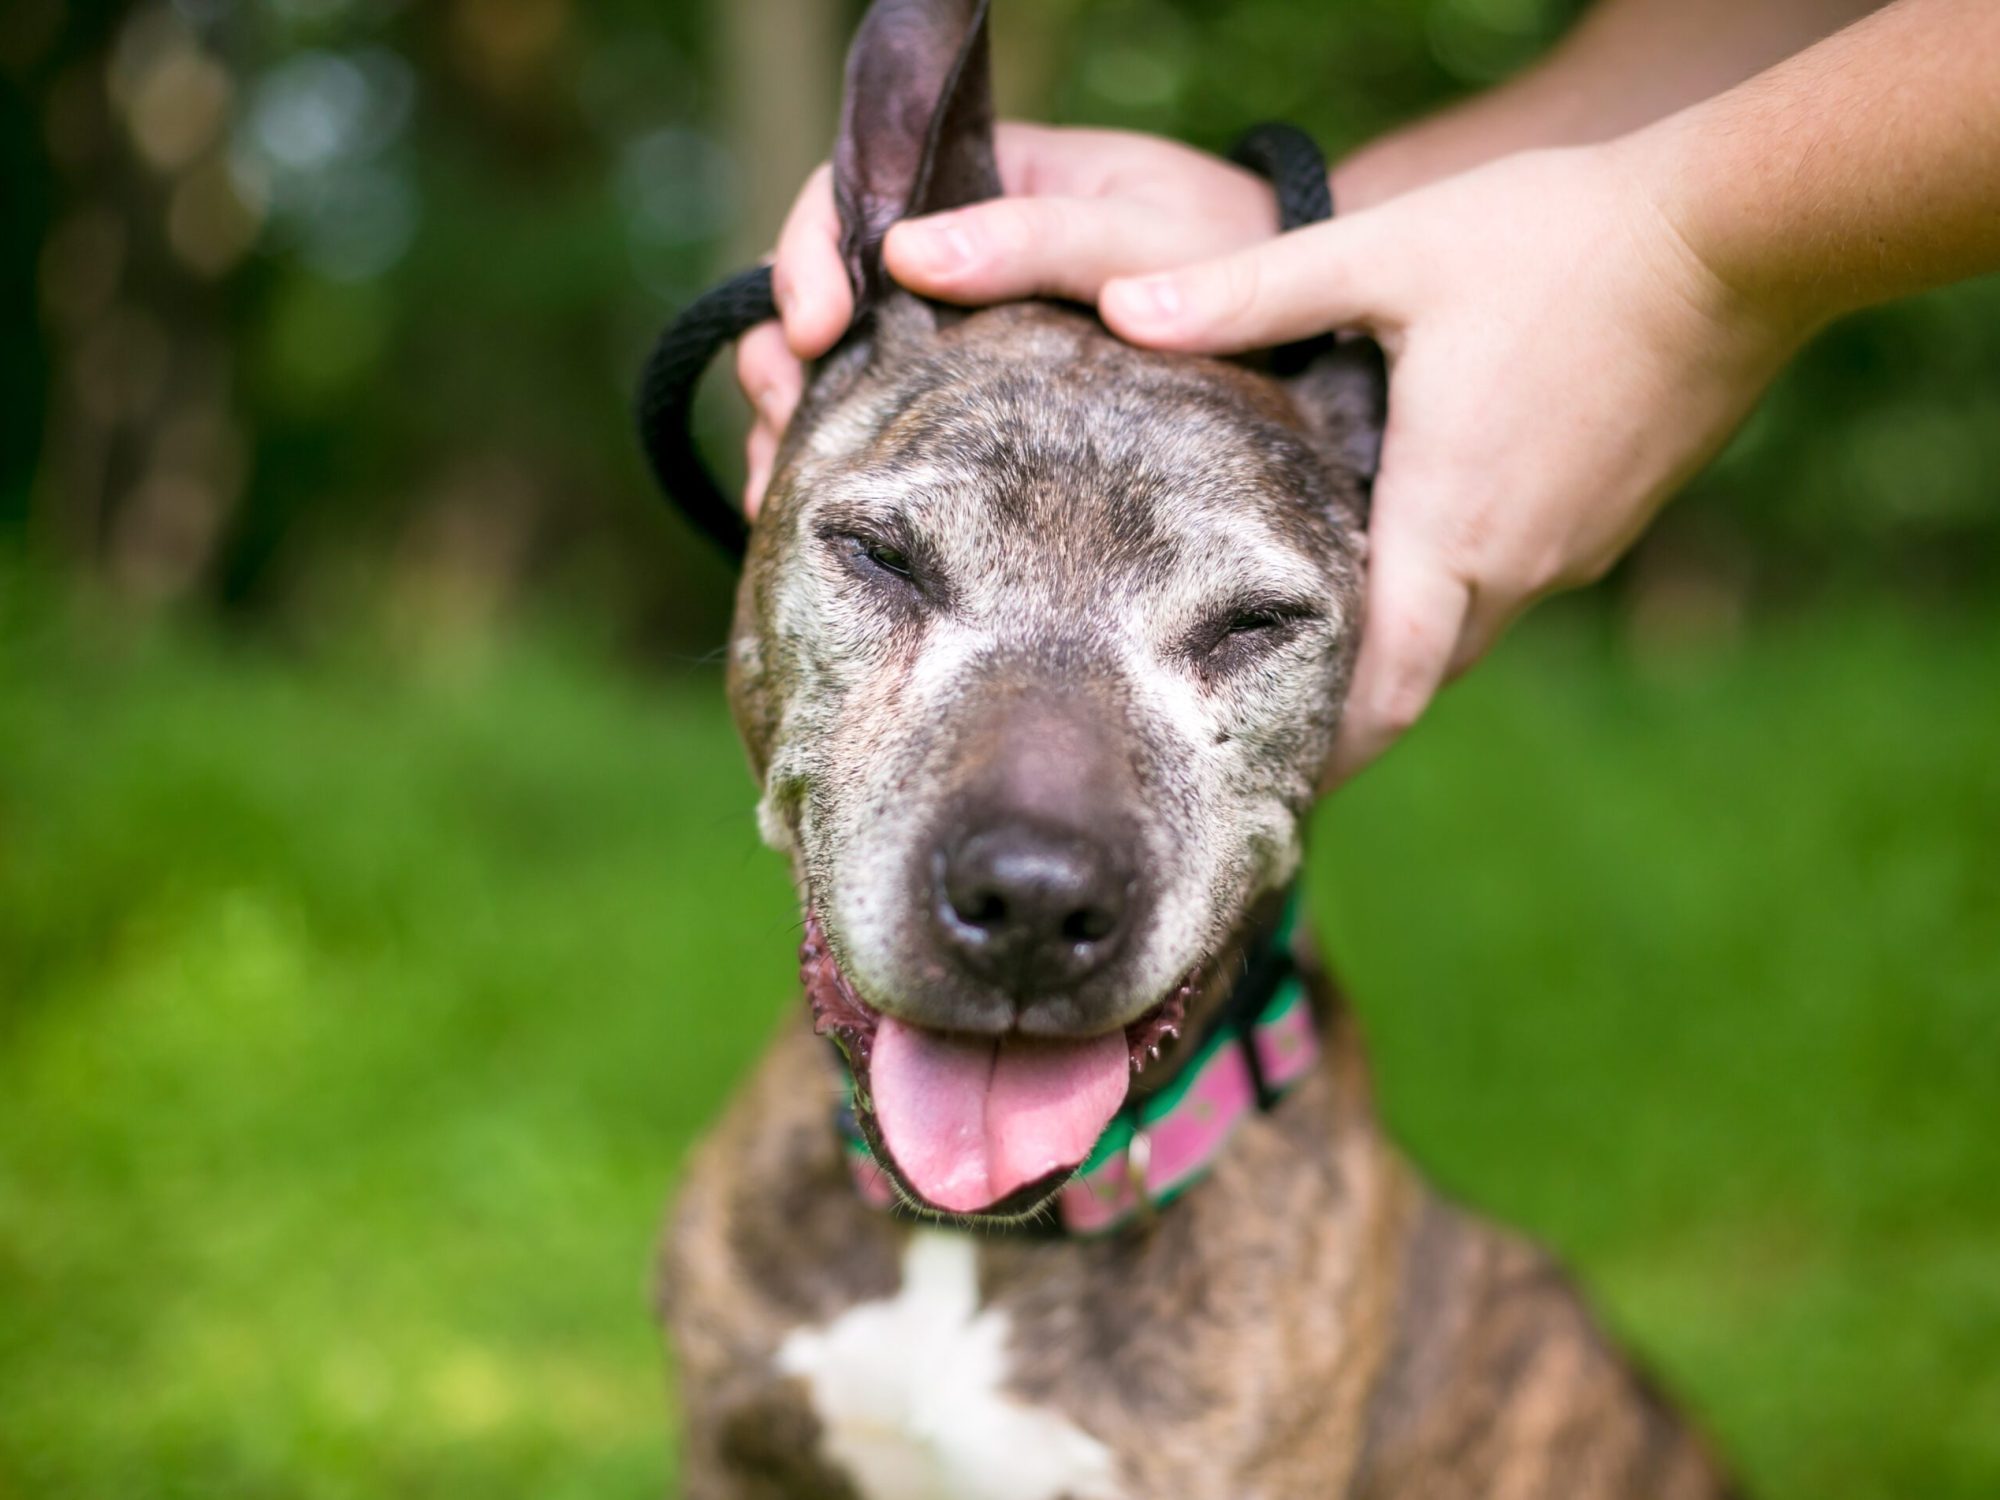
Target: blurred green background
{"x":380,"y":910}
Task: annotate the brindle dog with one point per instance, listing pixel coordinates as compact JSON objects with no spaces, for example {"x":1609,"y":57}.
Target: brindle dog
{"x":1039,"y":650}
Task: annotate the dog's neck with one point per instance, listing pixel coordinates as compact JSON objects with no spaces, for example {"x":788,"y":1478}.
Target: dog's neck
{"x":1250,"y":1031}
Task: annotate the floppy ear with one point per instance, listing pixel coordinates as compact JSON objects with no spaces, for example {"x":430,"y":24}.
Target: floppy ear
{"x":916,"y":126}
{"x":1344,"y":392}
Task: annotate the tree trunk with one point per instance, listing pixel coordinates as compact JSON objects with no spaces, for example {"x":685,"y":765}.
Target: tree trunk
{"x":782,"y":63}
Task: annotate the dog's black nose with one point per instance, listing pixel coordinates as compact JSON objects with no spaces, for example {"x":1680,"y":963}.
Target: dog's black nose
{"x":1031,"y":910}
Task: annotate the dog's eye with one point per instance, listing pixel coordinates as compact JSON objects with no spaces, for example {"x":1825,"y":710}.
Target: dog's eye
{"x":889,"y":559}
{"x":1242,"y":635}
{"x":1251,"y":621}
{"x":871,"y":556}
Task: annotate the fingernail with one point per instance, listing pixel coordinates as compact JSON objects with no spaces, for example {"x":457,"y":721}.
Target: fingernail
{"x":1154,"y":297}
{"x":939,"y":246}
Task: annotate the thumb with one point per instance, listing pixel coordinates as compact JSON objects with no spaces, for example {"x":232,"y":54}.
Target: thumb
{"x":1412,"y":624}
{"x":1307,"y":282}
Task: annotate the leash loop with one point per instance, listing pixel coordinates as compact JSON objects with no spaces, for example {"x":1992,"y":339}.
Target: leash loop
{"x":1290,"y":160}
{"x":1282,"y":154}
{"x":718,"y":317}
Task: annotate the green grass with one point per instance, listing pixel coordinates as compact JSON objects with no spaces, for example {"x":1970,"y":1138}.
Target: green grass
{"x":356,"y":1007}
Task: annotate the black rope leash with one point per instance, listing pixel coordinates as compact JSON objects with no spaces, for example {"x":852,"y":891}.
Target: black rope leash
{"x":1282,"y":154}
{"x":1289,"y":159}
{"x":718,"y":317}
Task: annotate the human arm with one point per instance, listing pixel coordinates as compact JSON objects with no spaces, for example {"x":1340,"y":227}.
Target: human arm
{"x":1864,"y":169}
{"x":1624,"y":64}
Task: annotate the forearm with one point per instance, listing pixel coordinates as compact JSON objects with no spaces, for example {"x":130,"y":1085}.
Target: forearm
{"x":1862,"y":169}
{"x":1625,"y":64}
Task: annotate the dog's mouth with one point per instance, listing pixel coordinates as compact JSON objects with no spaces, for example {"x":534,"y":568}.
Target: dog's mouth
{"x":978,"y":1126}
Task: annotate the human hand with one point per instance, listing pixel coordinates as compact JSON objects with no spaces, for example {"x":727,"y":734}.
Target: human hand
{"x":1560,"y":362}
{"x":1081,"y":206}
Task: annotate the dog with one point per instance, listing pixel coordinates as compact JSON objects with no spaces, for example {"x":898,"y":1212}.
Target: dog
{"x":1040,"y":646}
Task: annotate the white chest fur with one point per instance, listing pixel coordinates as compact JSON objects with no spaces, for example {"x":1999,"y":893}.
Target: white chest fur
{"x":911,"y":1395}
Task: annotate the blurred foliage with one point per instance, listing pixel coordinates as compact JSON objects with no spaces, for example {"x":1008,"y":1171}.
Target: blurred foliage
{"x":425,"y":246}
{"x":332,"y":287}
{"x":360,"y":1004}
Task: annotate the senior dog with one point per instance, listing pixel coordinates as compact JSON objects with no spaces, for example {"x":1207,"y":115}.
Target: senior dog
{"x":1066,"y":1183}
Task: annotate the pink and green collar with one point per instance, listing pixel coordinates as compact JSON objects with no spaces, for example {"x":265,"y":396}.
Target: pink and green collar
{"x":1262,"y":1042}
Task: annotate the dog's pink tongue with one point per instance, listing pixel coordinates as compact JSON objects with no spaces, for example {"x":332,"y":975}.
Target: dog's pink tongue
{"x":970,"y":1120}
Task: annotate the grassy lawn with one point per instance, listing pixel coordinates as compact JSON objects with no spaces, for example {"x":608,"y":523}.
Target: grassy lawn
{"x":356,"y":1007}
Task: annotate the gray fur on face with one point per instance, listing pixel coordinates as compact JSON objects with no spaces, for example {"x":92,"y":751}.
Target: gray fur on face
{"x":1161,"y":551}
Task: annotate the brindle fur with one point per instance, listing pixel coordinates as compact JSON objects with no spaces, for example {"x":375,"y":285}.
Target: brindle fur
{"x":1310,"y":1320}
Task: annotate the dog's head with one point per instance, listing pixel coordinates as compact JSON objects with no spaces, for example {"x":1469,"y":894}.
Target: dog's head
{"x":1039,"y":652}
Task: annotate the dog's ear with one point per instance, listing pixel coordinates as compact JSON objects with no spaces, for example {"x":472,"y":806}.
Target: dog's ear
{"x":1344,"y":392}
{"x":916,"y":126}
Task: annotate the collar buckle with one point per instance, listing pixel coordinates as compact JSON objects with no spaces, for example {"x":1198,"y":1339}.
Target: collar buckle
{"x":1138,"y":1161}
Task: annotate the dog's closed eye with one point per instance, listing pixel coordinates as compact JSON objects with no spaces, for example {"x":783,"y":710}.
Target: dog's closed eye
{"x":1241,"y":633}
{"x":1251,"y":621}
{"x":882,"y":559}
{"x":888,"y":557}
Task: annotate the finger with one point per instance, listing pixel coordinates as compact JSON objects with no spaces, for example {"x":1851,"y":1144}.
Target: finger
{"x":1292,"y":287}
{"x":771,"y":377}
{"x":1493,"y":608}
{"x":1035,"y":159}
{"x":808,"y":277}
{"x":1042,"y":247}
{"x":1071,"y":161}
{"x":1415,"y":613}
{"x":761,"y":449}
{"x":1066,"y":161}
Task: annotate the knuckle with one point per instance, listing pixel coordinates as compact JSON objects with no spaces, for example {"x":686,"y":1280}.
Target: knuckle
{"x":1483,"y":548}
{"x":811,"y":228}
{"x":761,"y":360}
{"x":1579,"y":572}
{"x":815,"y":200}
{"x":1472,"y":534}
{"x":1553,"y":568}
{"x":1404,"y":690}
{"x":1538,"y":572}
{"x":1512,"y":580}
{"x":1239,"y":287}
{"x":1004,"y":230}
{"x":1401,"y":704}
{"x":1544,"y":577}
